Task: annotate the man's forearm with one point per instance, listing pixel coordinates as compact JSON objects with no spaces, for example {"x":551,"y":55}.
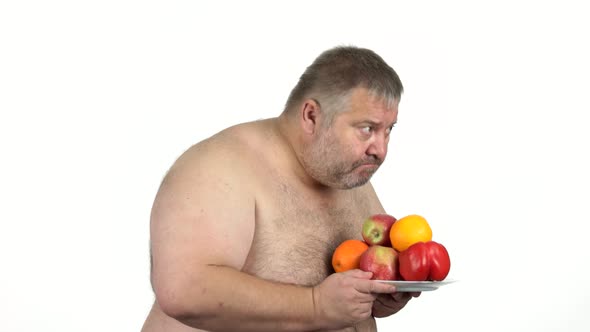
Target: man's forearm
{"x":223,"y":299}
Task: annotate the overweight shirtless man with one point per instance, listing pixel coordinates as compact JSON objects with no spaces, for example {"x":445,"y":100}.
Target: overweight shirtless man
{"x":245,"y":222}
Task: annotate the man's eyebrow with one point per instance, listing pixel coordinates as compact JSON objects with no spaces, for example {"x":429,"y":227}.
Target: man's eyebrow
{"x":371,"y":122}
{"x":376,"y":123}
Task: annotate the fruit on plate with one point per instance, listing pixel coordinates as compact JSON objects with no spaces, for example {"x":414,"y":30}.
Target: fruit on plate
{"x":409,"y":230}
{"x":376,"y":229}
{"x":348,"y":254}
{"x":382,"y":261}
{"x":424,"y":261}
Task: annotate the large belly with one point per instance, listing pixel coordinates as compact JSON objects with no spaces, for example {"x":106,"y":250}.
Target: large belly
{"x":157,"y":321}
{"x":293,"y":256}
{"x":291,"y":246}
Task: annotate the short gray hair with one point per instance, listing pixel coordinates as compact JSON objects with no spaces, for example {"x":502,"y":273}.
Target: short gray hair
{"x":337,"y":71}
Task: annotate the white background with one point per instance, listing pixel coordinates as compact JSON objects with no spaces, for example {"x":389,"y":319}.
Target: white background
{"x":97,"y":99}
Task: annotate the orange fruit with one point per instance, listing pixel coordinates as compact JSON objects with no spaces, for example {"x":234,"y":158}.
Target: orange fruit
{"x":347,"y":255}
{"x":409,"y":230}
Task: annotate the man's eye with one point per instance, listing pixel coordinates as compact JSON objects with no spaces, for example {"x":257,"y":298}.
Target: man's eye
{"x":366,"y":130}
{"x":390,"y":129}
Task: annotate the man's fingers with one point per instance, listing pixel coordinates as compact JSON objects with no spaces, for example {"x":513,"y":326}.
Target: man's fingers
{"x":401,"y":297}
{"x":374,"y":287}
{"x":356,"y":273}
{"x":385,"y":301}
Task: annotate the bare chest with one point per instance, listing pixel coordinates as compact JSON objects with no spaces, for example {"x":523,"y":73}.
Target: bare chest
{"x":295,"y":236}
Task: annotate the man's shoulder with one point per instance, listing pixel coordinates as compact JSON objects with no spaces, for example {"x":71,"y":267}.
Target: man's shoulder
{"x":231,"y":150}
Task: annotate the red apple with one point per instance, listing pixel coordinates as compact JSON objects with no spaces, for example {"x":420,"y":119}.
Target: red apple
{"x":376,"y":229}
{"x":382,"y":261}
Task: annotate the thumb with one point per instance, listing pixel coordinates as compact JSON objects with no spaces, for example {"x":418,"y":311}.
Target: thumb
{"x":357,"y":273}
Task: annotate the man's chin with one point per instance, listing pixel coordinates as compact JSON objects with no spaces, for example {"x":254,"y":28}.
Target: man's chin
{"x":356,"y":182}
{"x":352,"y":179}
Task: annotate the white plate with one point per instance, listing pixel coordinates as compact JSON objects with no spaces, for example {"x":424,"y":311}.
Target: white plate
{"x":416,"y":286}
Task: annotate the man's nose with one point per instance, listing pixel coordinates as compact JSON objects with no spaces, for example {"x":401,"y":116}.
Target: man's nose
{"x":378,"y":147}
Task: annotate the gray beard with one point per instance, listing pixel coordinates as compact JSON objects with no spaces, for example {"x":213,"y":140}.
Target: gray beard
{"x":323,"y":161}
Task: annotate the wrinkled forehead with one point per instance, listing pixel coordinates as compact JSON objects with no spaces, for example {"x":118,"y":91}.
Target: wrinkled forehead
{"x":388,"y":101}
{"x":363,"y":99}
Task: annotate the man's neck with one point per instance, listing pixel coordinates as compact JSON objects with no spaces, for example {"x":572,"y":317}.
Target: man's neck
{"x":293,"y":141}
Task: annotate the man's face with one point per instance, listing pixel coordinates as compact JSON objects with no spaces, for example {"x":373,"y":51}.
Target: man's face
{"x":347,"y":153}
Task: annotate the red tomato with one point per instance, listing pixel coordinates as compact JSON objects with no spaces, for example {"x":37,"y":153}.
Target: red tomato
{"x":424,"y":261}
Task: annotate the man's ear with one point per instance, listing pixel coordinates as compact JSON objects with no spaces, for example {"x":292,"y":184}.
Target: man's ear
{"x":310,"y":111}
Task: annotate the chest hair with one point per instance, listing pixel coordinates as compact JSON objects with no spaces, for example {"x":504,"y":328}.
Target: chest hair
{"x":295,"y":237}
